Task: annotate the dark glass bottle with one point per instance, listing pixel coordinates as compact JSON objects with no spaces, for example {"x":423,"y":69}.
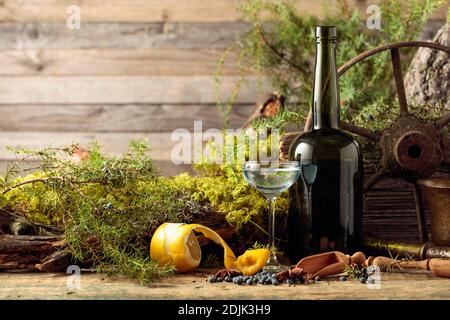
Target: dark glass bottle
{"x":325,"y":204}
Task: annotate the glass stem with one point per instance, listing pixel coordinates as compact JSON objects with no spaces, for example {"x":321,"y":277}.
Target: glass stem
{"x":271,"y":204}
{"x":309,"y":198}
{"x":309,"y":203}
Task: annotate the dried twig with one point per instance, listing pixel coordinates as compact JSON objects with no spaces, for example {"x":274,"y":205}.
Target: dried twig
{"x":281,"y":55}
{"x":43,"y":180}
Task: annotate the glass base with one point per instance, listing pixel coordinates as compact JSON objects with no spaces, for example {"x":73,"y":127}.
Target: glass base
{"x":275,"y":268}
{"x":272,"y":265}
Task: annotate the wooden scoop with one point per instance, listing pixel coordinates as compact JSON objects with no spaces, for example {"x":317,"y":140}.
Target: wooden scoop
{"x":439,"y":267}
{"x":329,"y":263}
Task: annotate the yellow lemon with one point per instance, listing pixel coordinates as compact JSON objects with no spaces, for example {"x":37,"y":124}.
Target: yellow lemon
{"x":176,"y":244}
{"x":252,"y":261}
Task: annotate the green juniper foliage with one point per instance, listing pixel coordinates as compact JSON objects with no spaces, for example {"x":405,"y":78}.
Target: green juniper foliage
{"x":282,"y":51}
{"x":108,"y":207}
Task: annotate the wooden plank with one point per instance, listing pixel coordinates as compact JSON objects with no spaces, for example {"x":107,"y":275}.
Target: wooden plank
{"x":18,"y":36}
{"x":154,"y":10}
{"x":188,"y":35}
{"x":116,"y":118}
{"x":144,"y":10}
{"x":139,"y":61}
{"x":412,"y":285}
{"x":122,"y":90}
{"x":120,"y":10}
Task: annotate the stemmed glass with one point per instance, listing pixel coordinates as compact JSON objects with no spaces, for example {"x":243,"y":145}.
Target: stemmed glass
{"x":271,"y":179}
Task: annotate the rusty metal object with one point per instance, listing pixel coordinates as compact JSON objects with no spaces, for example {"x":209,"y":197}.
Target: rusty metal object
{"x":411,"y":150}
{"x":390,"y":46}
{"x":437,"y":196}
{"x":405,"y":250}
{"x":421,"y":224}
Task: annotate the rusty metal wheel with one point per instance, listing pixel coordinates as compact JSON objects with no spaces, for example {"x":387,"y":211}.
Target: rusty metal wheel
{"x":410,"y":149}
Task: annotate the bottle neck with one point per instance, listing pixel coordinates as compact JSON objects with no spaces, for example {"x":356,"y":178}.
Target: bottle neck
{"x":326,"y":91}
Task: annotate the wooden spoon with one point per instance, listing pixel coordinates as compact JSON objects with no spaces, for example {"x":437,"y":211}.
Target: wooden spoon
{"x":329,"y":263}
{"x":439,"y":267}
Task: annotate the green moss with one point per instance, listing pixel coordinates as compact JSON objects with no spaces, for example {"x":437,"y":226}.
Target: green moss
{"x":37,"y":201}
{"x":236,"y":200}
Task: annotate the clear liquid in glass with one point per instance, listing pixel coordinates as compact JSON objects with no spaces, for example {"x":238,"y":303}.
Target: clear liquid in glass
{"x":271,"y":181}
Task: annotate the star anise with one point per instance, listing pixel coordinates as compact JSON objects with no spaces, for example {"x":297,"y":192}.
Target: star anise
{"x":293,"y":272}
{"x":230,"y":273}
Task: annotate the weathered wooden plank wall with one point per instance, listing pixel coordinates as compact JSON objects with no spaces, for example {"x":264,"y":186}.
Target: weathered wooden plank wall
{"x":152,"y":10}
{"x":139,"y":68}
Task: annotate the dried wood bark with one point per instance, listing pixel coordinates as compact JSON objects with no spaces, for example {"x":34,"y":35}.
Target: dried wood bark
{"x":56,"y":262}
{"x":24,"y":252}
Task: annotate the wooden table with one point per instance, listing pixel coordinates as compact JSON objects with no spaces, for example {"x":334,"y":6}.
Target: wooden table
{"x":194,"y":286}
